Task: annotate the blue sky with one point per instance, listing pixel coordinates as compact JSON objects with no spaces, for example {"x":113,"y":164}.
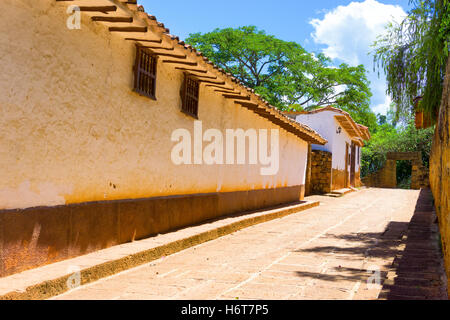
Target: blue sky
{"x":341,"y":29}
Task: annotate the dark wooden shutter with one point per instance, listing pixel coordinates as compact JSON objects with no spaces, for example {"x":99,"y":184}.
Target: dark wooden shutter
{"x":145,"y":73}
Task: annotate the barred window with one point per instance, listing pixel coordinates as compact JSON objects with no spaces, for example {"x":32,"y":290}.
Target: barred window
{"x":145,"y":73}
{"x":190,"y":96}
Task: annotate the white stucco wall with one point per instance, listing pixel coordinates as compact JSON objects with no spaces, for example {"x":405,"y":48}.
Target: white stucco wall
{"x":325,"y":124}
{"x":339,"y":145}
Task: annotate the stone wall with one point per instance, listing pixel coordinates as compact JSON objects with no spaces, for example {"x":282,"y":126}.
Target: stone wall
{"x":320,"y":172}
{"x":387,"y":176}
{"x":440,"y":169}
{"x":420,"y":177}
{"x":383,"y":178}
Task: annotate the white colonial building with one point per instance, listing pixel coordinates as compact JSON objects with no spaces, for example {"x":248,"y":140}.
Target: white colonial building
{"x":345,"y":139}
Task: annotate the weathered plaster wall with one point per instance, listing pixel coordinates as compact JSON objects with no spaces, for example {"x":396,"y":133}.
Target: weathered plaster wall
{"x":323,"y":123}
{"x":72,"y":130}
{"x":339,"y":144}
{"x":339,"y":171}
{"x":440,"y":169}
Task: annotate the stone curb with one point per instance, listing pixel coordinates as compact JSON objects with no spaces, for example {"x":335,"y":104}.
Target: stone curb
{"x":340,"y":193}
{"x":52,"y":287}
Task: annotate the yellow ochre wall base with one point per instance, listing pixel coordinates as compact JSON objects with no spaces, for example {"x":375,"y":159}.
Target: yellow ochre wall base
{"x":338,"y":179}
{"x":37,"y":236}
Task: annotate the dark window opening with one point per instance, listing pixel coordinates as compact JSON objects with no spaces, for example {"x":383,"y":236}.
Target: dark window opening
{"x":145,"y":73}
{"x":190,"y":94}
{"x":359,"y":154}
{"x":404,"y":173}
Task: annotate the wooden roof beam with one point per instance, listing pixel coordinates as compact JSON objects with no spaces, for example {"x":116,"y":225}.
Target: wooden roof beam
{"x":212,"y":82}
{"x":344,"y":122}
{"x":181,"y":62}
{"x":191,"y":70}
{"x":249,"y":105}
{"x":219,"y":86}
{"x":228,"y":91}
{"x":112,"y":19}
{"x":204,"y":77}
{"x":261,"y":111}
{"x":102,"y":9}
{"x":349,"y":125}
{"x":169,"y":55}
{"x":235,"y":97}
{"x":128,"y":29}
{"x":144,"y":40}
{"x":158,"y":48}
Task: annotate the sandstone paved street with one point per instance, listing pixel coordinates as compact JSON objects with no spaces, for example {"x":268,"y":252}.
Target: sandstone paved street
{"x":339,"y":250}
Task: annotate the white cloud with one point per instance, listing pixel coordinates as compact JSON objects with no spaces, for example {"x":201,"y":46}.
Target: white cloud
{"x":383,"y":107}
{"x":347,"y":32}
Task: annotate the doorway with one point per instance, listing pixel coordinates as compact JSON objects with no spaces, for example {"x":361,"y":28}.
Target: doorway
{"x":404,"y":174}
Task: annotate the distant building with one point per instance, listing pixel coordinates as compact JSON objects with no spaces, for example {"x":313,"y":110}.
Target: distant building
{"x":345,"y":139}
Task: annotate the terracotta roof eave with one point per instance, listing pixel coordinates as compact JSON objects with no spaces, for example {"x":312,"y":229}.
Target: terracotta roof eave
{"x":365,"y":131}
{"x":346,"y":122}
{"x":359,"y":129}
{"x":269,"y":112}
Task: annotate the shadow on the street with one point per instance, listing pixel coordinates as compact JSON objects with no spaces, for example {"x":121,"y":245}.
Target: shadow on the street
{"x":357,"y":247}
{"x":419,"y":271}
{"x":417,"y":265}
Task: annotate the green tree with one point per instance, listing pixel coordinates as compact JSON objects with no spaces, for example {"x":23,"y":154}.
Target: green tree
{"x":311,"y":81}
{"x":248,"y":53}
{"x":284,"y":73}
{"x":413,"y":55}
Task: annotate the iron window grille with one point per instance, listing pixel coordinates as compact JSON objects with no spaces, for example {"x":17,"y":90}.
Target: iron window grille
{"x":145,"y":73}
{"x":190,"y":96}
